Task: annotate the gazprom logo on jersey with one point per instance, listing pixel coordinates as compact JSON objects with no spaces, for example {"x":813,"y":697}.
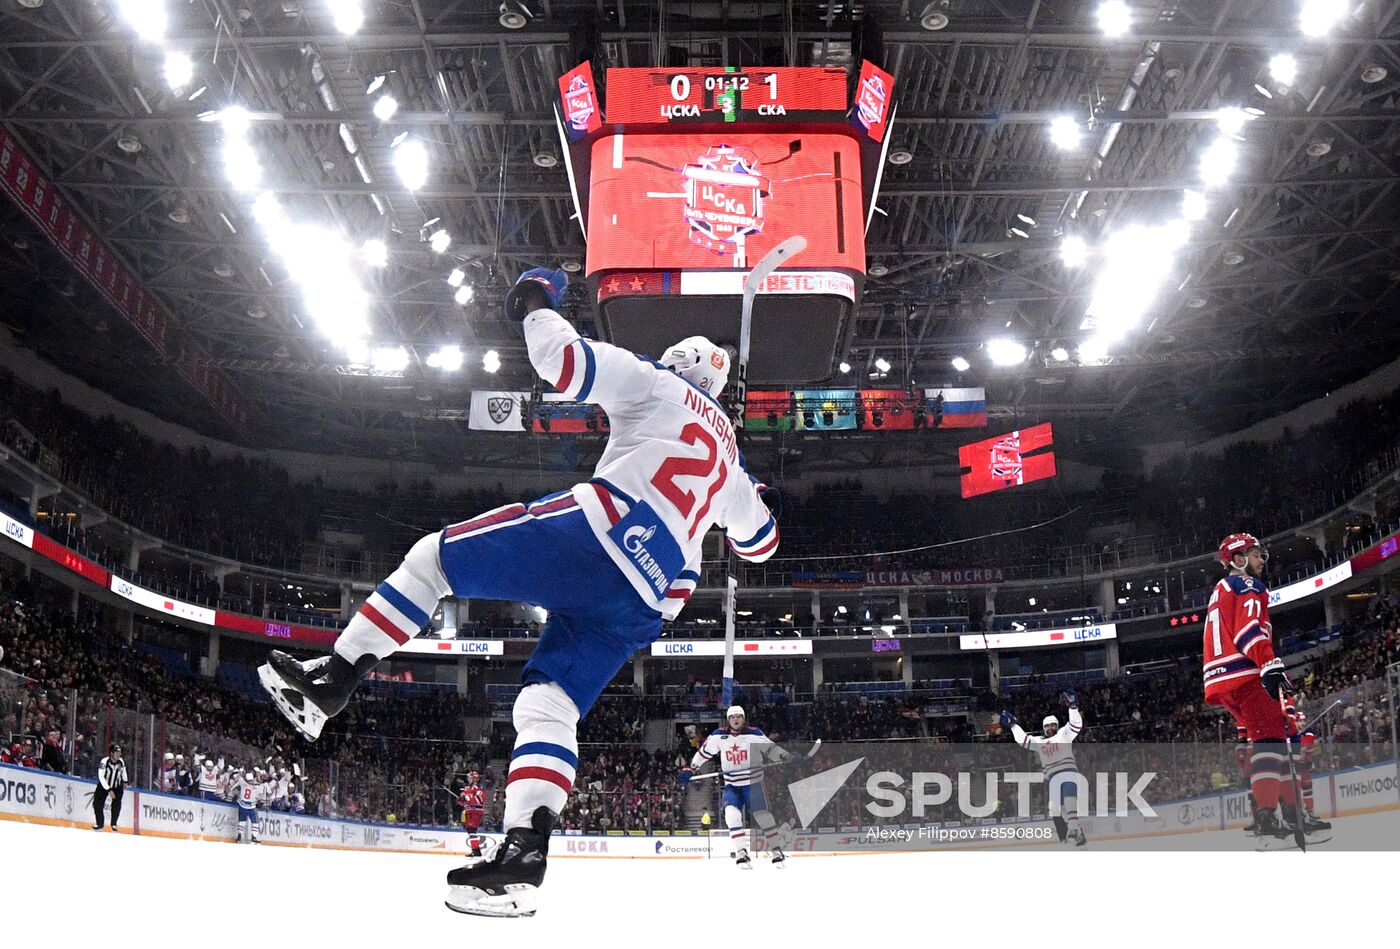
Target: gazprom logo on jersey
{"x":647,"y":543}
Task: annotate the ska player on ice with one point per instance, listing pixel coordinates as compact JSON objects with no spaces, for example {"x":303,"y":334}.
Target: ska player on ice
{"x":1242,"y":673}
{"x":742,"y":752}
{"x":610,"y":559}
{"x":1062,"y":775}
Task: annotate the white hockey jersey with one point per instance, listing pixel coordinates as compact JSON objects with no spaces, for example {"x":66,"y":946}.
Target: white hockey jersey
{"x":1055,"y":752}
{"x":671,"y":469}
{"x":741,"y":754}
{"x":247,"y":794}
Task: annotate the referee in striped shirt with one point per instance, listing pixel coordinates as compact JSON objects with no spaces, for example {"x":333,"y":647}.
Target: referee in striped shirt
{"x":111,"y":779}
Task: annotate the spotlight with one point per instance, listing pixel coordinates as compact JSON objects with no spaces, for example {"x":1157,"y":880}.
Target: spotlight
{"x":878,"y":270}
{"x":1373,"y":74}
{"x":411,"y":163}
{"x":464,"y":294}
{"x":961,"y":364}
{"x":447,"y":358}
{"x":1193,"y":205}
{"x":1318,"y":17}
{"x":1006,"y":352}
{"x":1093,"y":350}
{"x":178,"y":70}
{"x":882,"y":364}
{"x":1015,"y":231}
{"x":1231,"y":120}
{"x":375,"y":84}
{"x":1025,"y":219}
{"x":901,"y":156}
{"x":1283,"y":68}
{"x":1073,"y":251}
{"x":1218,"y":162}
{"x":375,"y":253}
{"x":934,"y":16}
{"x":844,"y":367}
{"x":146,"y":18}
{"x":491,"y":360}
{"x":1114,"y":17}
{"x":571,"y":266}
{"x":455,"y":278}
{"x":545,"y":159}
{"x":389,"y":359}
{"x":514,"y":15}
{"x":1059,"y":354}
{"x":385,"y":107}
{"x":440,"y":240}
{"x":348,"y":15}
{"x":1065,"y":132}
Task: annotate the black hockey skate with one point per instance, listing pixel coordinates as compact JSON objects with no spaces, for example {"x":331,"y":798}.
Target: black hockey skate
{"x":1268,"y":823}
{"x":1077,"y":835}
{"x":779,"y":859}
{"x":309,"y":693}
{"x":508,"y":883}
{"x":742,"y":860}
{"x":1311,"y":823}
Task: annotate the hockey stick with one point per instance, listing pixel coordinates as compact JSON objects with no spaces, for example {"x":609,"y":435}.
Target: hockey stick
{"x":771,"y":261}
{"x":807,"y":755}
{"x":1298,"y":838}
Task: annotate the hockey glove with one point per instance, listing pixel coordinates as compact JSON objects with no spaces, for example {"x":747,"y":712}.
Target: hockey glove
{"x":683,"y":779}
{"x":1070,"y":698}
{"x":1275,"y":679}
{"x":536,"y":289}
{"x":1007,"y":719}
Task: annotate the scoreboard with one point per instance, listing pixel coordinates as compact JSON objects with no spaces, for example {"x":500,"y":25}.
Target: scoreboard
{"x":750,"y":96}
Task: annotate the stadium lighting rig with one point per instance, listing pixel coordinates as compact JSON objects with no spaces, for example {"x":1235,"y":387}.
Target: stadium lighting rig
{"x":1115,"y":19}
{"x":1006,"y":352}
{"x":1065,"y":132}
{"x":375,"y":253}
{"x":410,"y":162}
{"x":385,"y":107}
{"x":179,"y":70}
{"x":491,"y":361}
{"x":348,"y":15}
{"x":1283,"y":68}
{"x":147,"y":17}
{"x":1193,"y":205}
{"x":1317,"y":18}
{"x":1218,"y":162}
{"x":446,"y":358}
{"x":1074,"y":252}
{"x":961,"y":364}
{"x":389,"y":359}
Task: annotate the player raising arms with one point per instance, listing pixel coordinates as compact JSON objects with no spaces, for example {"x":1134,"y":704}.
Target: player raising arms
{"x":1242,"y":674}
{"x":1057,"y":757}
{"x":741,"y":751}
{"x":610,"y":559}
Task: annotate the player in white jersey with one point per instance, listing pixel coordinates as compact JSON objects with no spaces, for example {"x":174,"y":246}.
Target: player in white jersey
{"x":209,"y":780}
{"x":1062,"y":777}
{"x":247,"y":794}
{"x":742,"y":753}
{"x":610,"y":559}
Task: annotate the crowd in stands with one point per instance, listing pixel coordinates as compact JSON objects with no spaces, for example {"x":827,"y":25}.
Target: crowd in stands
{"x":261,"y":516}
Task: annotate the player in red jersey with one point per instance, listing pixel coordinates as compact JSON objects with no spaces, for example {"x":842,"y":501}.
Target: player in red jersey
{"x":1243,"y":674}
{"x":473,"y":801}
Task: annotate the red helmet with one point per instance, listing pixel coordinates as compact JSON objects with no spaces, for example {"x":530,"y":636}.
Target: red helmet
{"x":473,"y":777}
{"x":1236,"y":545}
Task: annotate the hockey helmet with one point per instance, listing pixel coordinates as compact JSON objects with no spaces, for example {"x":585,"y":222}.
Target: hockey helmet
{"x":699,"y":362}
{"x":169,"y":756}
{"x":1237,"y":545}
{"x":1048,"y":723}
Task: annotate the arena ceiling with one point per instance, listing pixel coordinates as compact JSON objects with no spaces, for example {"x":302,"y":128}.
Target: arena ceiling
{"x":1286,"y":290}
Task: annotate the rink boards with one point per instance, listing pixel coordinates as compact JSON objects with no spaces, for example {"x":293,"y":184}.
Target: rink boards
{"x":45,"y":798}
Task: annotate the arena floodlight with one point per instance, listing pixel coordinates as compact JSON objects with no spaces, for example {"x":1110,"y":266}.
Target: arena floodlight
{"x":1074,"y":251}
{"x":464,"y":294}
{"x":440,"y":240}
{"x":447,"y":358}
{"x":179,"y":70}
{"x":241,"y":165}
{"x":385,"y":107}
{"x":1059,"y":354}
{"x":1231,"y":119}
{"x":375,"y":253}
{"x":348,"y":15}
{"x":882,"y":364}
{"x":491,"y":360}
{"x":961,"y":364}
{"x":357,"y":352}
{"x":147,"y":17}
{"x":375,"y":84}
{"x":1006,"y":352}
{"x":235,"y":121}
{"x":1318,"y":17}
{"x":1218,"y":162}
{"x":1093,"y":350}
{"x":1065,"y":132}
{"x":455,"y":278}
{"x":1193,"y":205}
{"x":411,"y":163}
{"x":1283,"y":68}
{"x":1114,"y":18}
{"x":844,"y":367}
{"x":389,"y":359}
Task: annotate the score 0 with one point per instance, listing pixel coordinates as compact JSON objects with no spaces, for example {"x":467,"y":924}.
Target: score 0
{"x":680,"y":85}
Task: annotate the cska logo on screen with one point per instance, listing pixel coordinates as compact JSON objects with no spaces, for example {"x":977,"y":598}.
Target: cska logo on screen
{"x":724,"y":194}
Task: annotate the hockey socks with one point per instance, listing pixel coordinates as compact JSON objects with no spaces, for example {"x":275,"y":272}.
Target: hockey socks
{"x":399,"y":607}
{"x":545,"y":759}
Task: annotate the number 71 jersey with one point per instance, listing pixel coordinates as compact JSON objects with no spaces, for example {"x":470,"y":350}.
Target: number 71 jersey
{"x":671,"y":469}
{"x":1238,"y":635}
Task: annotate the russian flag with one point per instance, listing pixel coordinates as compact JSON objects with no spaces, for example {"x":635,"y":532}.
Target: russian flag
{"x":962,"y":408}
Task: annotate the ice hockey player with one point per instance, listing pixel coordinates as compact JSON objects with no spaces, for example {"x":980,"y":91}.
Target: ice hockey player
{"x":247,"y":794}
{"x":167,"y":781}
{"x":473,"y":802}
{"x":1057,"y":757}
{"x":610,"y":559}
{"x":742,"y":751}
{"x":1304,"y":744}
{"x":1242,"y":673}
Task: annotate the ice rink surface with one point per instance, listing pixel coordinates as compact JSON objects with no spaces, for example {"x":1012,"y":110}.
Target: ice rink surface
{"x":66,"y":887}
